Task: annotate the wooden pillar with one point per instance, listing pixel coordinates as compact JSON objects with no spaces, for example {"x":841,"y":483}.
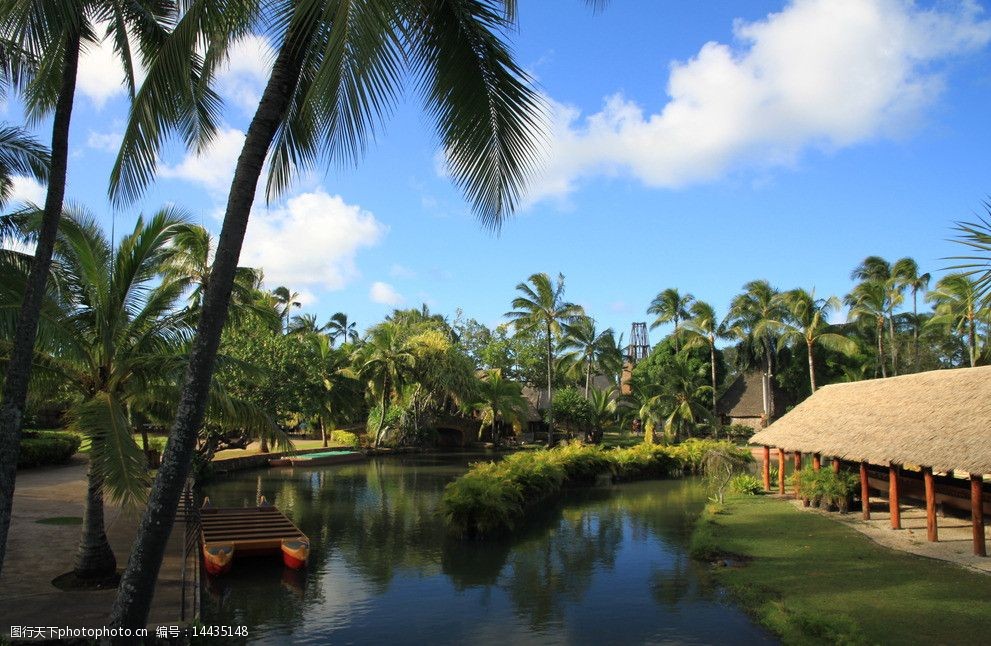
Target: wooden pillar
{"x":896,"y":515}
{"x":781,"y":471}
{"x":865,"y":492}
{"x":977,"y":513}
{"x":932,"y":531}
{"x":767,"y":468}
{"x":836,"y":465}
{"x":798,"y":467}
{"x":816,"y":461}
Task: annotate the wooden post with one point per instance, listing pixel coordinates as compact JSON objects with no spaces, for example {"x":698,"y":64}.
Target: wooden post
{"x":767,"y":468}
{"x":865,"y":492}
{"x":798,"y":467}
{"x":781,"y":471}
{"x":977,"y":513}
{"x":816,"y":461}
{"x":896,"y":515}
{"x":836,"y":465}
{"x":932,"y":532}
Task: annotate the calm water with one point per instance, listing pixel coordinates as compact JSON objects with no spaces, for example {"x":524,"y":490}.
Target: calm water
{"x":607,"y":565}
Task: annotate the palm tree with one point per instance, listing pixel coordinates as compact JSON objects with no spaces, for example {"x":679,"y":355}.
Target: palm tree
{"x":678,"y":405}
{"x":304,"y":324}
{"x":385,"y":362}
{"x":339,"y":327}
{"x":976,"y":236}
{"x":958,"y":307}
{"x":20,"y":154}
{"x":670,"y":306}
{"x":605,"y":406}
{"x":51,"y":35}
{"x":285,"y":300}
{"x":341,"y":390}
{"x":499,"y":400}
{"x":868,"y":301}
{"x":589,"y":348}
{"x":541,"y":307}
{"x":875,"y":269}
{"x":755,"y":316}
{"x":808,"y":320}
{"x":703,"y":328}
{"x":906,"y":274}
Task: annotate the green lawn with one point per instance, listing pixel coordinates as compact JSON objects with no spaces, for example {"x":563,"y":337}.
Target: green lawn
{"x":813,"y":580}
{"x":255,"y":448}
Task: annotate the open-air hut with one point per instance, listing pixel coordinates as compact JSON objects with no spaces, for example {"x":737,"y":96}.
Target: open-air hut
{"x":914,"y":434}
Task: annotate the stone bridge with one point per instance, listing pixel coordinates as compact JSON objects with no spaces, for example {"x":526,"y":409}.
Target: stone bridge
{"x":454,"y":430}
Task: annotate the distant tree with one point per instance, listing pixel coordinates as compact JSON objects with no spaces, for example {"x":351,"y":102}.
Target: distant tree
{"x":670,"y":307}
{"x":703,"y":328}
{"x":958,"y":308}
{"x":907,"y":276}
{"x":573,"y":411}
{"x":589,"y":349}
{"x":339,"y":327}
{"x":498,"y":401}
{"x":754,"y":317}
{"x":807,"y":320}
{"x":285,"y":301}
{"x":868,"y":301}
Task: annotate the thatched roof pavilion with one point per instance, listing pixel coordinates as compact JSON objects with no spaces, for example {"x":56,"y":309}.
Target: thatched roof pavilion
{"x":934,"y":421}
{"x":939,"y":419}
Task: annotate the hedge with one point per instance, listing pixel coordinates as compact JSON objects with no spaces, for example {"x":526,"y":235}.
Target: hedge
{"x":46,"y":448}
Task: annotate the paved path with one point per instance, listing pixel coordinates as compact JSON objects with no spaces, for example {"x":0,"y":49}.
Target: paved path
{"x":38,"y":553}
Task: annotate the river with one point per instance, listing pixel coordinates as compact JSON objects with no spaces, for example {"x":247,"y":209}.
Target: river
{"x":606,"y":565}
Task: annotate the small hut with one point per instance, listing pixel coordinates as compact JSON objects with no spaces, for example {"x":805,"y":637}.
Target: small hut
{"x":743,"y":401}
{"x":913,"y":434}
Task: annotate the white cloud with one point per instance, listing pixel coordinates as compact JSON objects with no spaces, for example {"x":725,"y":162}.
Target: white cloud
{"x":401,"y":271}
{"x":819,"y":74}
{"x":213,"y":167}
{"x":101,"y":75}
{"x":310,"y":243}
{"x":242,"y":78}
{"x":385,"y":294}
{"x":27,"y":189}
{"x":105,"y":141}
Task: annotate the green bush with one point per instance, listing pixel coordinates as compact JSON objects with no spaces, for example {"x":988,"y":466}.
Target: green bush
{"x":825,"y":488}
{"x":45,"y":448}
{"x":344,"y":438}
{"x":746,"y":484}
{"x":157,"y":444}
{"x":692,"y":452}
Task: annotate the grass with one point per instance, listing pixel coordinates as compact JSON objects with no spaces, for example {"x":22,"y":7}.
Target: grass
{"x":61,"y":520}
{"x":812,"y":580}
{"x":255,"y":449}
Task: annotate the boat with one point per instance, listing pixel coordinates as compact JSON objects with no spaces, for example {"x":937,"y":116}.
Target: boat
{"x":323,"y":458}
{"x":229,"y":532}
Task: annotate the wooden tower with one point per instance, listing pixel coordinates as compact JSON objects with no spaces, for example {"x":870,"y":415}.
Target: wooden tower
{"x":637,"y":350}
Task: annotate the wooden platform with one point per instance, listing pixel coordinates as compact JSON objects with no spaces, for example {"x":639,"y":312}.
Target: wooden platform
{"x":250,"y":530}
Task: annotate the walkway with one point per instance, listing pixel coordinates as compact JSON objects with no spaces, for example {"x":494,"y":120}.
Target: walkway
{"x":38,"y":553}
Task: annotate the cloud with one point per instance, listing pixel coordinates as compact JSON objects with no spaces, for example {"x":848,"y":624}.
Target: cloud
{"x":242,"y":78}
{"x":385,"y":294}
{"x":310,"y":243}
{"x":820,"y":74}
{"x":27,"y":189}
{"x":100,"y":76}
{"x":213,"y":167}
{"x":401,"y":271}
{"x":105,"y":141}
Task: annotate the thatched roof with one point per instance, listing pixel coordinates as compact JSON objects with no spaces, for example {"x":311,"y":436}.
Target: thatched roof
{"x":939,"y":419}
{"x":745,"y":397}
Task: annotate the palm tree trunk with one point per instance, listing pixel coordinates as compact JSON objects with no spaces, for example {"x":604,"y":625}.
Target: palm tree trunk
{"x":712,"y":369}
{"x":378,"y":431}
{"x":323,"y":431}
{"x":880,"y":348}
{"x":550,"y":389}
{"x":94,"y":558}
{"x":972,"y":337}
{"x":138,"y":583}
{"x":891,"y":337}
{"x":769,"y":359}
{"x":18,"y":374}
{"x":588,"y":376}
{"x":915,"y":328}
{"x":812,"y":369}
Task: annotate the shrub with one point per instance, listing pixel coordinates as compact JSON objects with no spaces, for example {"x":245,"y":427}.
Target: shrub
{"x":45,"y":448}
{"x":825,"y":488}
{"x":747,"y":485}
{"x":344,"y":438}
{"x":692,"y":452}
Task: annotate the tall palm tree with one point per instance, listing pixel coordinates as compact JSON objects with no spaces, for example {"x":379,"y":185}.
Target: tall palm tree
{"x":499,"y":400}
{"x":341,"y":391}
{"x":678,"y":404}
{"x":703,"y":327}
{"x":338,"y":69}
{"x":593,"y":350}
{"x":285,"y":300}
{"x":976,"y":237}
{"x":20,"y":154}
{"x":304,"y":324}
{"x":808,"y":320}
{"x":755,"y":316}
{"x":339,"y":327}
{"x":906,"y":274}
{"x":385,"y":362}
{"x":541,"y":307}
{"x":868,"y":301}
{"x":670,"y":307}
{"x":958,"y":307}
{"x":51,"y":35}
{"x":875,"y":269}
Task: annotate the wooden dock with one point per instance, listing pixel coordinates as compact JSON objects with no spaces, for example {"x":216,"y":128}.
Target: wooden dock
{"x":241,"y":531}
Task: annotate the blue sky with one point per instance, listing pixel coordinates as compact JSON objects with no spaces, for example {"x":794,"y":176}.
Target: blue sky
{"x":694,"y":148}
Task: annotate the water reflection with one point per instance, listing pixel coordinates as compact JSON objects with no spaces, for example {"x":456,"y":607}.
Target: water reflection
{"x":607,"y":564}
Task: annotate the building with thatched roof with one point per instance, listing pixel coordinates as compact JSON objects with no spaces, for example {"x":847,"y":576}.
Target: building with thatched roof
{"x":937,"y":421}
{"x":743,"y":401}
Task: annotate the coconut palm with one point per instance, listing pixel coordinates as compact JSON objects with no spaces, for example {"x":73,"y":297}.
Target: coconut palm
{"x":341,"y":391}
{"x":906,"y":273}
{"x":678,"y":405}
{"x":385,"y":361}
{"x":20,"y":154}
{"x":868,"y":302}
{"x":541,"y":308}
{"x":590,"y":349}
{"x":958,"y":307}
{"x":499,"y":400}
{"x":807,"y":320}
{"x":48,"y":37}
{"x":754,"y":317}
{"x":875,"y":269}
{"x":304,"y":324}
{"x":284,"y":301}
{"x":976,"y":237}
{"x":339,"y":327}
{"x":605,"y":407}
{"x":701,"y":328}
{"x":670,"y":307}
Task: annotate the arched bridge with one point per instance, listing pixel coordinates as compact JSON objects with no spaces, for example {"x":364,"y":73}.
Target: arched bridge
{"x":453,"y":430}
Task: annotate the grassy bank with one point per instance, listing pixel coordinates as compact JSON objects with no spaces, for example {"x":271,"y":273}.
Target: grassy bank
{"x":812,"y":580}
{"x":494,"y":497}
